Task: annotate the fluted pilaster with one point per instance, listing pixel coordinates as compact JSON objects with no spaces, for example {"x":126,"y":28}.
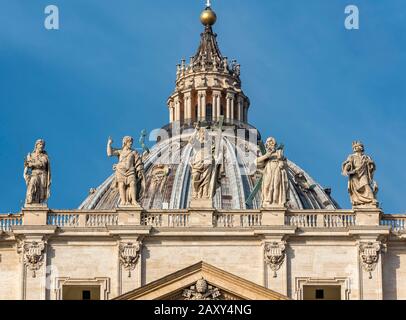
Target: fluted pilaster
{"x":187,"y":99}
{"x":230,"y":105}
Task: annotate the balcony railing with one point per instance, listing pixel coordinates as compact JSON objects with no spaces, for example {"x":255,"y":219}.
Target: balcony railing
{"x":396,"y":222}
{"x":77,"y":219}
{"x":321,"y":219}
{"x":165,"y":219}
{"x":10,"y":220}
{"x":237,"y":219}
{"x":328,"y":219}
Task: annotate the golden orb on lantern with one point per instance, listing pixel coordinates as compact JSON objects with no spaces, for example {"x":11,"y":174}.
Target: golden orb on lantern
{"x":208,"y":17}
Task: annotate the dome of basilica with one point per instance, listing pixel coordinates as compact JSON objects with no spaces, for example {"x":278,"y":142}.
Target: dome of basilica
{"x":208,"y":94}
{"x":168,"y":177}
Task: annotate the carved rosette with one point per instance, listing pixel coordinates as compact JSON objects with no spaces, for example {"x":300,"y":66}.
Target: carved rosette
{"x":129,"y":254}
{"x":369,"y":255}
{"x":202,"y":291}
{"x":33,"y":255}
{"x":275,"y":255}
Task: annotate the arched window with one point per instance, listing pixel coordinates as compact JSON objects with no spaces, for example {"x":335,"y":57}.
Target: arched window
{"x":196,"y":118}
{"x":209,"y":112}
{"x":222,"y":110}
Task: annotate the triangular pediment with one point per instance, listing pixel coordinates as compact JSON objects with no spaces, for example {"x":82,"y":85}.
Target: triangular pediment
{"x":202,"y":282}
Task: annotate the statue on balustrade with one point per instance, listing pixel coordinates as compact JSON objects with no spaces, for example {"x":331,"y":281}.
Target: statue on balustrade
{"x":202,"y":165}
{"x":37,"y":175}
{"x":360,"y":169}
{"x":275,"y":184}
{"x":129,"y":172}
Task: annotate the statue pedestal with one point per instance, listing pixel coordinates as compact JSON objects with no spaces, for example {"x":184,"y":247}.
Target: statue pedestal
{"x":368,"y":216}
{"x":35,"y":214}
{"x":201,"y":218}
{"x":273,"y":216}
{"x":129,"y":215}
{"x":201,"y":213}
{"x":201,"y":204}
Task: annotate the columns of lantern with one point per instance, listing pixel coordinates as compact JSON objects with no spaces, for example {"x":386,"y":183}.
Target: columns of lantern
{"x":201,"y":105}
{"x":177,"y":108}
{"x":216,"y":95}
{"x":181,"y":105}
{"x":187,"y":98}
{"x":240,"y":108}
{"x":171,"y":112}
{"x":246,"y":105}
{"x":230,"y":105}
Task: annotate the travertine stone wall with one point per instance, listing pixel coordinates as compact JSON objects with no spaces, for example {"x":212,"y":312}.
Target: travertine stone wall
{"x":10,"y":272}
{"x":394,"y":272}
{"x":310,"y":261}
{"x":85,"y":260}
{"x":328,"y":262}
{"x":239,"y":257}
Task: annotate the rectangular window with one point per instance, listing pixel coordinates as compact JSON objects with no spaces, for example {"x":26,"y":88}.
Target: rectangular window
{"x":80,"y":292}
{"x":86,"y":295}
{"x":319,"y":294}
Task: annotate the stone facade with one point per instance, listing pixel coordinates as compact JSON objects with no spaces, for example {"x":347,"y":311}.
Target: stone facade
{"x":76,"y":255}
{"x":175,"y":241}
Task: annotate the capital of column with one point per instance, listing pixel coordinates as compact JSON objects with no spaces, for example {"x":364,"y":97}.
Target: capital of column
{"x":230,"y":95}
{"x":187,"y":94}
{"x":216,"y":93}
{"x":202,"y":93}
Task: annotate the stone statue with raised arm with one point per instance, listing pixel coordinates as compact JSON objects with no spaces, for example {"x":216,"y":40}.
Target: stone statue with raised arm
{"x":360,"y":169}
{"x":129,"y":170}
{"x":37,"y":175}
{"x":275,"y":183}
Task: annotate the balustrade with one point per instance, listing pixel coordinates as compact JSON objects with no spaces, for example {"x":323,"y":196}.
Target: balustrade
{"x":396,"y":222}
{"x":10,"y":220}
{"x":175,"y":219}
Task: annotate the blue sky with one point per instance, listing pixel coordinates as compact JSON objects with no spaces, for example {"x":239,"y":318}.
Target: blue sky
{"x":313,"y":85}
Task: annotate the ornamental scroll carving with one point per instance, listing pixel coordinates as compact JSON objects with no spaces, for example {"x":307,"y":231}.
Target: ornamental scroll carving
{"x":33,"y":255}
{"x":369,"y":255}
{"x":275,"y":255}
{"x":202,"y":291}
{"x":129,"y":254}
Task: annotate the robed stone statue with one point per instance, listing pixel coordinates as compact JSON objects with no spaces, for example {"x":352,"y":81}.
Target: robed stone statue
{"x":37,"y":175}
{"x":202,"y":165}
{"x":275,"y":183}
{"x":129,"y":172}
{"x":360,"y":169}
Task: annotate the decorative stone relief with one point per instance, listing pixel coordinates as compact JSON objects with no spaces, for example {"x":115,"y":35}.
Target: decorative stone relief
{"x":369,"y":255}
{"x":159,"y":174}
{"x":129,"y":254}
{"x":202,"y":291}
{"x":360,"y":169}
{"x":33,"y":254}
{"x":275,"y":255}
